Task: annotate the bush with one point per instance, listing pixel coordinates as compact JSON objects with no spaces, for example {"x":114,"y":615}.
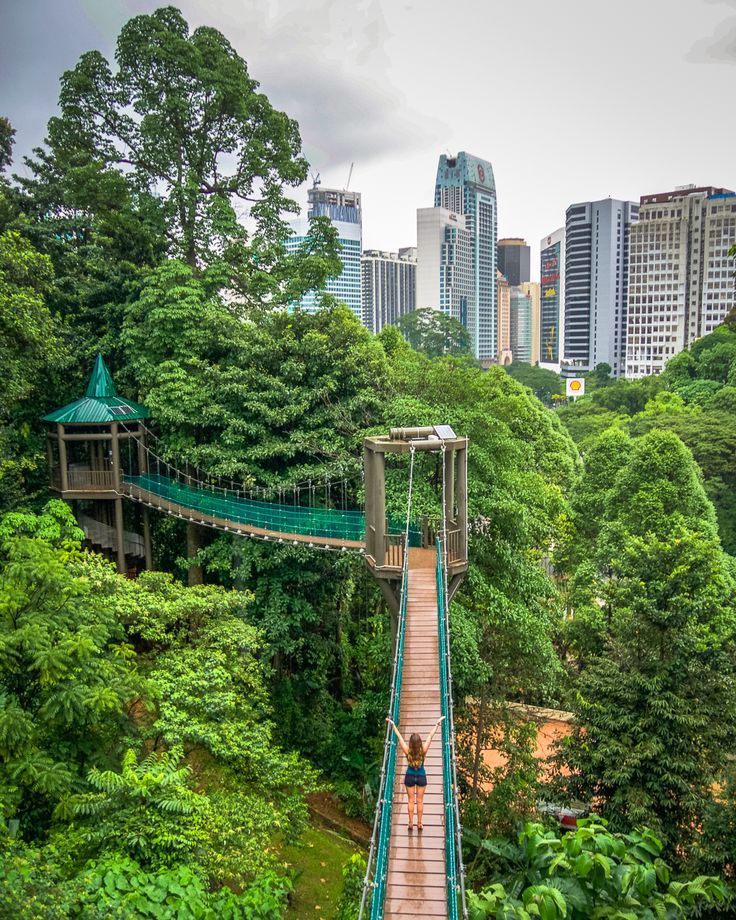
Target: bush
{"x":353,"y":874}
{"x":593,"y":873}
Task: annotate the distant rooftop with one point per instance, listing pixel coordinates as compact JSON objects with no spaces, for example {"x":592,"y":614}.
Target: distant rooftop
{"x":100,"y":405}
{"x":686,"y":191}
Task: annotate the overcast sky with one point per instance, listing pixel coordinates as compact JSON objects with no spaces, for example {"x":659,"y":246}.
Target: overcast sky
{"x":569,"y":100}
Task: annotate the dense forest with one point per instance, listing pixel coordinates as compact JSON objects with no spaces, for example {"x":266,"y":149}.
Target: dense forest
{"x":160,"y":735}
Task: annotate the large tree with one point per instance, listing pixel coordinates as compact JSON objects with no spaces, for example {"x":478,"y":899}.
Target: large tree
{"x":656,"y":701}
{"x":180,"y":117}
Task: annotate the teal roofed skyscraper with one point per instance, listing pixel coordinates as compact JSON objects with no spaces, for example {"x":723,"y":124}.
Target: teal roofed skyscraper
{"x":465,"y":187}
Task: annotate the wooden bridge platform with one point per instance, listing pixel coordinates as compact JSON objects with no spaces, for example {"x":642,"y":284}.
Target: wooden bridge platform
{"x":160,"y":503}
{"x":416,"y":882}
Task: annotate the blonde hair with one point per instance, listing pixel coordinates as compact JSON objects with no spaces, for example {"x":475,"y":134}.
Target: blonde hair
{"x":416,"y":751}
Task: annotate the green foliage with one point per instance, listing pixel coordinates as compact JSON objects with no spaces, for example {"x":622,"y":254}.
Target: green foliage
{"x":34,"y":886}
{"x":66,"y":674}
{"x":655,"y":697}
{"x":434,"y":333}
{"x":600,"y":376}
{"x":501,"y":798}
{"x":353,"y":874}
{"x":272,"y":400}
{"x":693,"y":397}
{"x":592,"y":873}
{"x":147,"y":811}
{"x":545,"y":384}
{"x":7,"y":139}
{"x":29,"y":349}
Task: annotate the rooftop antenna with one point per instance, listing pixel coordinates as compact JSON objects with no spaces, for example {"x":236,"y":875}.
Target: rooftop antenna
{"x":350,"y":176}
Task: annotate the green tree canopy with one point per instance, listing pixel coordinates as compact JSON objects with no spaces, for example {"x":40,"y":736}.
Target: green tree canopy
{"x":434,"y":333}
{"x":656,"y":702}
{"x":66,"y":676}
{"x":542,"y":382}
{"x":7,"y":139}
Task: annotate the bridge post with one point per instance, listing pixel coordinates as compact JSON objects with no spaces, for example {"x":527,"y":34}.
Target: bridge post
{"x":63,"y":466}
{"x":462,"y":499}
{"x":449,"y":461}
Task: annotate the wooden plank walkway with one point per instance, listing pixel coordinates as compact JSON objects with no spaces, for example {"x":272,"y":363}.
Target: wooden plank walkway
{"x":416,"y":882}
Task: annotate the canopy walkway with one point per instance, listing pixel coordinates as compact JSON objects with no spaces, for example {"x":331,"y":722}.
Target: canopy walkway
{"x":408,"y":873}
{"x":100,"y":452}
{"x":235,"y":512}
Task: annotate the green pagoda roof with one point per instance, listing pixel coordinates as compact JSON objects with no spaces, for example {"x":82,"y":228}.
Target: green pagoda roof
{"x":100,"y":405}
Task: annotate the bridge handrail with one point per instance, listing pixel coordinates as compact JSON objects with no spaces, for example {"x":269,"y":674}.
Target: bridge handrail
{"x":454,"y":869}
{"x":377,"y":867}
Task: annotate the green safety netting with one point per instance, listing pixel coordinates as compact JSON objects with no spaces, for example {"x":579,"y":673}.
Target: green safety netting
{"x":331,"y":523}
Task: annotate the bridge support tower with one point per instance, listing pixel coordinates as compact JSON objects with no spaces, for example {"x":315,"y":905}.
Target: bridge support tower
{"x":384,"y":550}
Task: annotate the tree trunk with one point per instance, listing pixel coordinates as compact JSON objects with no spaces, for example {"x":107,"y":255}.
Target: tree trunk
{"x":195,"y":576}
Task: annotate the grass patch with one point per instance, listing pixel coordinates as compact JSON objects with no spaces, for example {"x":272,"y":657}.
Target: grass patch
{"x":318,"y":859}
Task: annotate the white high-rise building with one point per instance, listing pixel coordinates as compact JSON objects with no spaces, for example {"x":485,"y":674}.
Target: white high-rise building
{"x":681,"y":282}
{"x":344,"y":210}
{"x":552,"y":300}
{"x":389,"y":286}
{"x":596,"y":253}
{"x":445,"y":279}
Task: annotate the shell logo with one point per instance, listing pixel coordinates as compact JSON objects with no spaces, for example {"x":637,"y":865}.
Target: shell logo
{"x":576,"y":386}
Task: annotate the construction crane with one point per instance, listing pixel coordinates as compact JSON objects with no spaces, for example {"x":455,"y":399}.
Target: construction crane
{"x":350,"y":176}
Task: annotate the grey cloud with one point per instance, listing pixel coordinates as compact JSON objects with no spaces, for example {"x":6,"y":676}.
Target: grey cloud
{"x":326,"y":65}
{"x":721,"y":46}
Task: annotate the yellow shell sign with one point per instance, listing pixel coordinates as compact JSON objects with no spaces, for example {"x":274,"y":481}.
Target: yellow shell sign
{"x":576,"y":386}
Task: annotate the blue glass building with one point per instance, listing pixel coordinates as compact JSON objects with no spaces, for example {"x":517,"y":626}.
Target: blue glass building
{"x":344,"y":210}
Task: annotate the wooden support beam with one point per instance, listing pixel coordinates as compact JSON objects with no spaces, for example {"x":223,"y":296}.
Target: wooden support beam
{"x":120,"y":536}
{"x":63,"y":466}
{"x":116,"y":456}
{"x":142,"y":456}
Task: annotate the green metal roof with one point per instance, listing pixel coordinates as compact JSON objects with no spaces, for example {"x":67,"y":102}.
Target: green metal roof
{"x":101,"y":404}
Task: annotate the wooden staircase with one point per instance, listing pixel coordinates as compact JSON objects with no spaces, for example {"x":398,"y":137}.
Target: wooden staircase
{"x":416,"y":881}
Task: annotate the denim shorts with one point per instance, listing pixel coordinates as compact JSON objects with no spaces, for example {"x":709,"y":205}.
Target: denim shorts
{"x":415,"y":776}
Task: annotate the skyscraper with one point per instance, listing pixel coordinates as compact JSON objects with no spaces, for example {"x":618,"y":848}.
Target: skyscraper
{"x":389,"y":286}
{"x":552,"y":299}
{"x":597,"y":241}
{"x":344,"y":210}
{"x":503,"y":299}
{"x":521,"y":324}
{"x":680,"y":276}
{"x":514,"y":260}
{"x":445,"y":279}
{"x":465,"y":187}
{"x":531,"y":289}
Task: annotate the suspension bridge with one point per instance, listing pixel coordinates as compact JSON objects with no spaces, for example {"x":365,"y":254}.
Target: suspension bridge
{"x":101,"y":453}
